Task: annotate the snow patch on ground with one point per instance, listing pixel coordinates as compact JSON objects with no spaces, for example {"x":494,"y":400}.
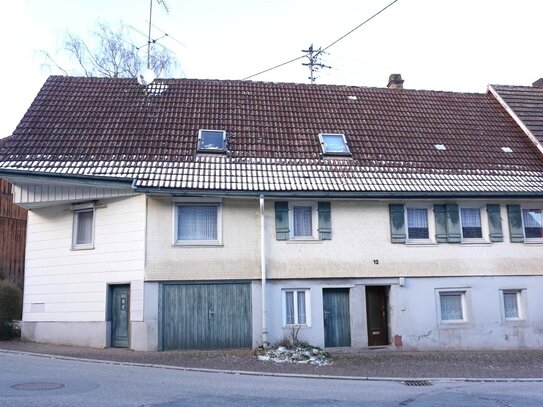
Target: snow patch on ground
{"x":312,"y":356}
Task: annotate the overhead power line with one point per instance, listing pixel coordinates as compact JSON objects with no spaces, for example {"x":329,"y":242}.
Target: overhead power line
{"x":320,"y":51}
{"x":275,"y":67}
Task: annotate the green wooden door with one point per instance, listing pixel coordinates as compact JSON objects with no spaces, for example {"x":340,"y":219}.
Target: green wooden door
{"x":120,"y":311}
{"x":206,"y":316}
{"x":337,"y":320}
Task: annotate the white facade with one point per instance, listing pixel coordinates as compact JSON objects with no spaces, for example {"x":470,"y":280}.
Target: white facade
{"x":66,"y":290}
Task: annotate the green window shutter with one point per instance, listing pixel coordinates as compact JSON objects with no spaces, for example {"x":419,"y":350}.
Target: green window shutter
{"x":397,"y":223}
{"x":494,"y":223}
{"x":454,"y":234}
{"x":440,"y":217}
{"x":515,"y":223}
{"x":325,"y":221}
{"x":282,"y":230}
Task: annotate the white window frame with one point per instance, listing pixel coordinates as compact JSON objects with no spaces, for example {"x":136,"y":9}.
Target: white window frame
{"x":430,"y":219}
{"x":464,"y":301}
{"x":528,"y":207}
{"x":314,"y":220}
{"x":77,"y":210}
{"x":334,"y":153}
{"x":520,"y":295}
{"x":177,"y":202}
{"x":307,"y":292}
{"x":212,"y":150}
{"x":484,"y":224}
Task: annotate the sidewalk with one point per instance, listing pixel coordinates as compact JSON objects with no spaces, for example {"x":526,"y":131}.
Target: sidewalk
{"x":385,"y":363}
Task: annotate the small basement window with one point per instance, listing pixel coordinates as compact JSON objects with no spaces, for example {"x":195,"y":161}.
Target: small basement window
{"x":334,"y":144}
{"x":212,"y":141}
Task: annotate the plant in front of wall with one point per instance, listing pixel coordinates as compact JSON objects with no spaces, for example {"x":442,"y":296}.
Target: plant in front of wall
{"x":291,"y":349}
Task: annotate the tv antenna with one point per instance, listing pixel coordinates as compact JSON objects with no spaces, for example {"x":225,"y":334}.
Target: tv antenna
{"x":149,"y":40}
{"x":314,"y":63}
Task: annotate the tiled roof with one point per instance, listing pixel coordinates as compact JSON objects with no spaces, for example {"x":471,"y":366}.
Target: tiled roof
{"x":110,"y":127}
{"x":527,"y":103}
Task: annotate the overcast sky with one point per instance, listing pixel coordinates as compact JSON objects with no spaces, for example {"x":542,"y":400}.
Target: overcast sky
{"x":451,"y":45}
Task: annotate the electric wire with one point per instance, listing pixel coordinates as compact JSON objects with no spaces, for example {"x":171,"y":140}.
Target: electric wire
{"x":325,"y":48}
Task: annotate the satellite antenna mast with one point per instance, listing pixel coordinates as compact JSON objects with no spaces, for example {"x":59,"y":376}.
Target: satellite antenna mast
{"x":314,"y":63}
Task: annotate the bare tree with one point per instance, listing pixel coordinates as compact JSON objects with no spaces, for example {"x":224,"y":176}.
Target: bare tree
{"x":113,"y":54}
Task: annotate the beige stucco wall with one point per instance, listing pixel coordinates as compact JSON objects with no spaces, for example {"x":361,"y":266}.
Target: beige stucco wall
{"x":360,"y":235}
{"x":236,"y":258}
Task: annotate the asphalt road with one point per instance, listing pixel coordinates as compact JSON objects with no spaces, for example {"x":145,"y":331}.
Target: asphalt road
{"x":105,"y":384}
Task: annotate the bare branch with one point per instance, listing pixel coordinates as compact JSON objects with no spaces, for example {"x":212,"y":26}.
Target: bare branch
{"x":50,"y":58}
{"x":113,"y":54}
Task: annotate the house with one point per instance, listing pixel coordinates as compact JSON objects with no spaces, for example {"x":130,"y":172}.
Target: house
{"x":12,"y":235}
{"x":225,"y":214}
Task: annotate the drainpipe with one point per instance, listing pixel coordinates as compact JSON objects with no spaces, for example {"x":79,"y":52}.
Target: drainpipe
{"x":263,"y":270}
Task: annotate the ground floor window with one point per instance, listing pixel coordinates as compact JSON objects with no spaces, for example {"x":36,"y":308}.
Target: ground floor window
{"x":452,"y":306}
{"x":512,"y":305}
{"x":295,"y":307}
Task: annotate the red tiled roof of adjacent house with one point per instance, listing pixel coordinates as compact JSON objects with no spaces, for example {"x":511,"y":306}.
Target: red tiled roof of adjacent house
{"x":111,"y":127}
{"x":527,"y":104}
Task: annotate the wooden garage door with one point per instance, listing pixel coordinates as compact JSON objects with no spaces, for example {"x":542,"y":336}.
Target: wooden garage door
{"x":206,"y":316}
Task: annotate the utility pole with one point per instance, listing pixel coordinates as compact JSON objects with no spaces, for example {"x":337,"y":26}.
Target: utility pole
{"x":314,"y":63}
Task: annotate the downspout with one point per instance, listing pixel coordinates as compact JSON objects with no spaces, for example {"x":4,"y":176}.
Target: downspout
{"x":263,"y":270}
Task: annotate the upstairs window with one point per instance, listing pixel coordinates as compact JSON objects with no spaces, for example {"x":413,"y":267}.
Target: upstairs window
{"x":533,"y":226}
{"x":302,"y":221}
{"x":417,"y":223}
{"x":197,"y":223}
{"x":334,"y":144}
{"x":83,"y":227}
{"x":471,"y":223}
{"x":212,"y":141}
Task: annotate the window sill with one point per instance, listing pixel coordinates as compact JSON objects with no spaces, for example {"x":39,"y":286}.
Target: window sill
{"x":296,"y":326}
{"x":78,"y":248}
{"x":455,"y":324}
{"x":514,"y":322}
{"x":475,"y":243}
{"x":304,"y":241}
{"x":197,"y":243}
{"x":538,"y":242}
{"x":420,"y":243}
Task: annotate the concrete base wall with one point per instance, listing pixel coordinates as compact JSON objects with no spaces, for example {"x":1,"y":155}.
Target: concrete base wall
{"x":91,"y":334}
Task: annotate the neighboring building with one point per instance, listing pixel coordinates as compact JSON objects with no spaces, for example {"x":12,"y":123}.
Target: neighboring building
{"x":215,"y":214}
{"x":12,"y":235}
{"x":525,"y":105}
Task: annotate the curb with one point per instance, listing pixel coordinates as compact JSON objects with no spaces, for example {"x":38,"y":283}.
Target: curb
{"x":271,"y":374}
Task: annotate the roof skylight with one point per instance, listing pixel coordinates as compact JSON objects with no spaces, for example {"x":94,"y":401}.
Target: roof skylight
{"x":334,"y":144}
{"x":212,"y":141}
{"x":440,"y":147}
{"x":507,"y":149}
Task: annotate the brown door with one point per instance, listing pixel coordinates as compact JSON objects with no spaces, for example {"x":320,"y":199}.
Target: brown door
{"x":377,"y":315}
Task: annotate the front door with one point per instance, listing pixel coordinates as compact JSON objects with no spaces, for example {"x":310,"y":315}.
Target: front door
{"x":120,"y":299}
{"x":337,"y":320}
{"x":377,"y":315}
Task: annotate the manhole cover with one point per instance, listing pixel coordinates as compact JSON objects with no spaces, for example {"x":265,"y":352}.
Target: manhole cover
{"x":417,"y":383}
{"x":37,"y":386}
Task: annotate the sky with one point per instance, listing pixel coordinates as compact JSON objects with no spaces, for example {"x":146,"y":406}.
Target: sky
{"x":446,"y":45}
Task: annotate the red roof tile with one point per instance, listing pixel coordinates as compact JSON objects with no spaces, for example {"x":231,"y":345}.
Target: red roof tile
{"x":103,"y":126}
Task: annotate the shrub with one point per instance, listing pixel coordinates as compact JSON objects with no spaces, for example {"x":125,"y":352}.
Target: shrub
{"x":11,"y":305}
